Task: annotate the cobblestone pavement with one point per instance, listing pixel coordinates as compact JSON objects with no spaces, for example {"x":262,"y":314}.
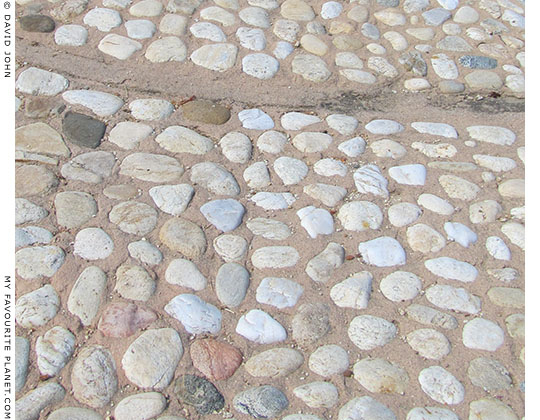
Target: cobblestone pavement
{"x":270,"y":209}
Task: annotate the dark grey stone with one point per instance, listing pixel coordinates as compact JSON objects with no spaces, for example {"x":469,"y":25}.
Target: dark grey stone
{"x":477,"y":62}
{"x":36,"y":23}
{"x":436,"y":17}
{"x":261,"y":402}
{"x":83,"y":130}
{"x":199,"y":393}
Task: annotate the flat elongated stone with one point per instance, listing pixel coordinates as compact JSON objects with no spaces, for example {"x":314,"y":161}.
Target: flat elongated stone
{"x":74,"y":413}
{"x":489,"y":374}
{"x":312,"y":142}
{"x":450,"y":268}
{"x":37,"y":23}
{"x":170,"y":48}
{"x":100,"y":103}
{"x":22,"y":351}
{"x":150,"y":361}
{"x":275,"y":257}
{"x":269,"y":229}
{"x":151,"y":167}
{"x":429,"y":316}
{"x":459,"y":188}
{"x":431,"y":413}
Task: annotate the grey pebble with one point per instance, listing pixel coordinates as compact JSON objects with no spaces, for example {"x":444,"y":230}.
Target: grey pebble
{"x":261,"y":402}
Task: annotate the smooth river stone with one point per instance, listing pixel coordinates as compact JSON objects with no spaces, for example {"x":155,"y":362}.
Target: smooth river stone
{"x":183,"y":236}
{"x":34,"y":81}
{"x":261,"y":328}
{"x":93,"y":376}
{"x":321,"y":267}
{"x":274,"y":363}
{"x":87,"y":293}
{"x":381,"y":376}
{"x":197,"y":316}
{"x":225,"y":215}
{"x":206,"y":112}
{"x":452,"y":269}
{"x":40,"y":138}
{"x":150,"y":360}
{"x":368,"y":332}
{"x":216,"y":57}
{"x":36,"y":308}
{"x":151,"y":167}
{"x":279,"y":292}
{"x":215,"y":359}
{"x":54,"y":350}
{"x":38,"y":261}
{"x":122,"y":319}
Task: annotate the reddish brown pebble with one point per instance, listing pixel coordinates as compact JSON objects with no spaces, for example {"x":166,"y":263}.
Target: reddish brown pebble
{"x":122,"y":319}
{"x":216,"y":360}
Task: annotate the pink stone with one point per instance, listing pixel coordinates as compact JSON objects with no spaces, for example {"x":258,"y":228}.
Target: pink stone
{"x":216,"y":360}
{"x":122,"y":319}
